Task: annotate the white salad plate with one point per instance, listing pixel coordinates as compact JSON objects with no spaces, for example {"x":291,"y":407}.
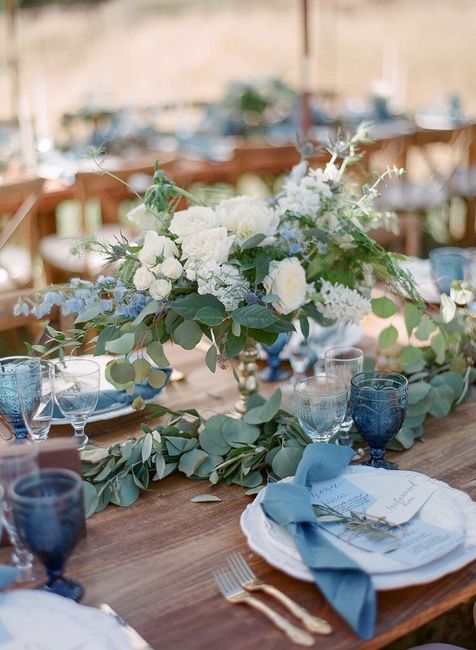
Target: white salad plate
{"x":421,"y":272}
{"x":447,"y":508}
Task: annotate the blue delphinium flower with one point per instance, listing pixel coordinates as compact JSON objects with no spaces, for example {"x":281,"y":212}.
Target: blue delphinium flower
{"x":294,"y":248}
{"x":288,"y":233}
{"x":21,"y":309}
{"x":73,"y":305}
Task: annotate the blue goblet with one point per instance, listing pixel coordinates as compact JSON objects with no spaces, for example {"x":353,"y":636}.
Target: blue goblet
{"x":48,"y":512}
{"x":379,"y":404}
{"x":10,"y":408}
{"x":274,"y":371}
{"x":448,"y":264}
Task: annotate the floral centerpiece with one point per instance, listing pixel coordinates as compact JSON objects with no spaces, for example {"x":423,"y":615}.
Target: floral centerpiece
{"x":243,"y":271}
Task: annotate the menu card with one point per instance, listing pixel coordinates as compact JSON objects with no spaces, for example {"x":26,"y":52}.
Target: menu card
{"x":413,"y":544}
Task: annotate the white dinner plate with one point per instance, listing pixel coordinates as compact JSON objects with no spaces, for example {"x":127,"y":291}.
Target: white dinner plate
{"x":421,"y":272}
{"x":447,"y":508}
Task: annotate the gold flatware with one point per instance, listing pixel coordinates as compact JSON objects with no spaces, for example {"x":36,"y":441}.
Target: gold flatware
{"x":234,"y":593}
{"x":250,"y":582}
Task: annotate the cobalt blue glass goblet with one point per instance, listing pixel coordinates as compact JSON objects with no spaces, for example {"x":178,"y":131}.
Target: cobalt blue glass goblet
{"x":10,"y":409}
{"x":379,"y":404}
{"x":274,"y":372}
{"x":448,"y":264}
{"x":48,"y":512}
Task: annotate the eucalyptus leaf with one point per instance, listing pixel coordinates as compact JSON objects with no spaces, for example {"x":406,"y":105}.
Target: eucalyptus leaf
{"x":253,"y":241}
{"x":410,"y":355}
{"x":442,"y":398}
{"x":149,"y":309}
{"x":425,"y":328}
{"x":120,"y":373}
{"x":418,"y":391}
{"x":412,"y":317}
{"x":452,"y":379}
{"x":189,"y":306}
{"x":157,"y":378}
{"x":206,"y":468}
{"x":141,"y":370}
{"x":90,"y":498}
{"x":128,"y":492}
{"x":188,"y":334}
{"x":157,"y":354}
{"x":438,"y":345}
{"x":388,"y":337}
{"x":210,"y":316}
{"x":237,"y":432}
{"x":266,"y":412}
{"x":211,"y":437}
{"x":103,"y":337}
{"x":286,"y":461}
{"x":251,"y":480}
{"x":93,"y":454}
{"x":147,"y":447}
{"x":205,"y":498}
{"x":190,"y":461}
{"x":211,"y":358}
{"x":255,"y":316}
{"x":383,"y":307}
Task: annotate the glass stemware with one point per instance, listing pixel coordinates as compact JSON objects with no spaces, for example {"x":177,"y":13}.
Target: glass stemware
{"x":36,"y":397}
{"x":274,"y":371}
{"x":344,"y":362}
{"x":320,"y":404}
{"x":10,"y":410}
{"x":16,"y":462}
{"x":448,"y":264}
{"x":48,"y":511}
{"x":379,"y":405}
{"x":76,"y":389}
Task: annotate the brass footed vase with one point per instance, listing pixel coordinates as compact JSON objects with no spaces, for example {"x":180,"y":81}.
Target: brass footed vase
{"x":247,"y":382}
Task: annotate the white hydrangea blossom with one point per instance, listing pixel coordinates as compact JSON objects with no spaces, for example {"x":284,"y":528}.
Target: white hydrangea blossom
{"x":304,"y":190}
{"x":341,"y":303}
{"x":225,"y":282}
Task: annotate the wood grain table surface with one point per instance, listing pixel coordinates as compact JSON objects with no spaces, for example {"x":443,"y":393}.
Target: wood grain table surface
{"x":152,"y":561}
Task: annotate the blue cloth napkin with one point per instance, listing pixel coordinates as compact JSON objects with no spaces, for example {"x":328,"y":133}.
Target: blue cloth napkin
{"x":341,"y":580}
{"x":118,"y":398}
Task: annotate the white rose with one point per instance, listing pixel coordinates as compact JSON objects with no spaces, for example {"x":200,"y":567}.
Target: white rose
{"x":160,"y":289}
{"x":143,"y":278}
{"x":245,"y":217}
{"x":207,"y":246}
{"x":171,"y":268}
{"x":192,"y":220}
{"x":142,"y":217}
{"x":156,"y":246}
{"x":287,"y":280}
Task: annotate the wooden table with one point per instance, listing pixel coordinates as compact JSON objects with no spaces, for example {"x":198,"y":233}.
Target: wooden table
{"x":152,"y":561}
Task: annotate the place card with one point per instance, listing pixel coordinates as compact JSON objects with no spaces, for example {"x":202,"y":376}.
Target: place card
{"x":413,"y":544}
{"x":400,"y":506}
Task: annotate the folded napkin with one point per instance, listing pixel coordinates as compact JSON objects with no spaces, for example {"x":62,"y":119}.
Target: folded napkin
{"x":341,"y":580}
{"x":115,"y":398}
{"x":8,"y":575}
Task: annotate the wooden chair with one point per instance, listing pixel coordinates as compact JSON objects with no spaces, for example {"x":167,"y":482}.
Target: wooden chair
{"x":18,"y":232}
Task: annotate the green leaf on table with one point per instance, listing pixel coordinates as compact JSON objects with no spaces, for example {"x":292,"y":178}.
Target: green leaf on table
{"x":286,"y":461}
{"x":188,"y":334}
{"x":458,"y":364}
{"x":147,"y":447}
{"x":418,"y":391}
{"x":255,"y":316}
{"x":425,"y":328}
{"x":206,"y":468}
{"x":205,"y":498}
{"x":237,"y":432}
{"x":266,"y":411}
{"x":438,"y":345}
{"x":383,"y":307}
{"x":406,"y":437}
{"x":122,"y":345}
{"x":388,"y":337}
{"x":449,"y":378}
{"x":93,"y":454}
{"x":128,"y":492}
{"x":90,"y":499}
{"x":156,"y":378}
{"x":419,"y":409}
{"x":415,"y":421}
{"x":211,"y":437}
{"x":411,"y":357}
{"x":156,"y":352}
{"x":251,"y":480}
{"x":162,"y":468}
{"x":211,"y":358}
{"x":210,"y":316}
{"x":120,"y":373}
{"x":442,"y":398}
{"x":190,"y":461}
{"x":253,"y":242}
{"x":149,"y":309}
{"x":141,"y":369}
{"x":190,"y":305}
{"x":412,"y":317}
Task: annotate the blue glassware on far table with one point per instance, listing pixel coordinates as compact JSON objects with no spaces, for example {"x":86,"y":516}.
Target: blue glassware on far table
{"x":448,"y":264}
{"x":274,"y":371}
{"x":379,"y":405}
{"x":48,"y":512}
{"x":10,"y":409}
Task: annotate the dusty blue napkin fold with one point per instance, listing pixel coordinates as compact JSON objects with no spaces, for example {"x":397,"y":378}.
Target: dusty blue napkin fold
{"x":341,"y":580}
{"x":8,"y":575}
{"x":115,"y":398}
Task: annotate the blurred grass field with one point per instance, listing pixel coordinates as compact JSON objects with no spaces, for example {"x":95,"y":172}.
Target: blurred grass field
{"x":141,"y":52}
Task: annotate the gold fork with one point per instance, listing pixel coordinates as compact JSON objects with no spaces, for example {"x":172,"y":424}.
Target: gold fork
{"x":231,"y":590}
{"x":250,"y":582}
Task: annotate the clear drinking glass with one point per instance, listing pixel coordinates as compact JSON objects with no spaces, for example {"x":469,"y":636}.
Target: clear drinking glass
{"x":35,"y":393}
{"x":320,"y":404}
{"x":344,"y":362}
{"x":10,"y":411}
{"x":48,"y":511}
{"x":16,"y":462}
{"x":76,"y":390}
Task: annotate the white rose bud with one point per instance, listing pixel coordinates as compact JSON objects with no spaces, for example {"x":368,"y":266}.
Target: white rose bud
{"x":160,"y":289}
{"x":156,"y":246}
{"x":192,"y":220}
{"x":143,"y":278}
{"x":171,"y":268}
{"x":287,"y":280}
{"x":207,"y":246}
{"x":142,"y":217}
{"x":245,"y":217}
